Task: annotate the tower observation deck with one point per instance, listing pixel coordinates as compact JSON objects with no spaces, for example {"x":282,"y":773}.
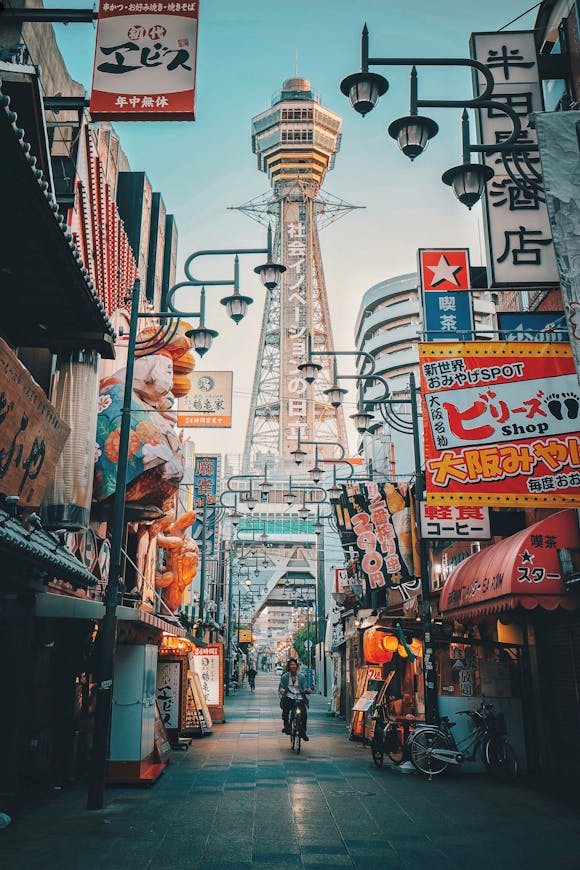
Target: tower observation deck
{"x":295,"y":142}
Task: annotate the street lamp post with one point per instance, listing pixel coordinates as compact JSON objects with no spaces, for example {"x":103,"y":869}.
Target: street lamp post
{"x":414,"y":131}
{"x":202,"y":338}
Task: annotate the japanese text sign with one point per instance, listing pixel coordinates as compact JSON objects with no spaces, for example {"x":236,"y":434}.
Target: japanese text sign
{"x":532,"y":326}
{"x":205,"y":483}
{"x":145,"y":59}
{"x":455,"y":522}
{"x":501,"y":423}
{"x":169,"y":692}
{"x":378,"y":517}
{"x":206,"y":662}
{"x":447,"y":309}
{"x":32,"y":435}
{"x":517,"y":229}
{"x":209,"y":402}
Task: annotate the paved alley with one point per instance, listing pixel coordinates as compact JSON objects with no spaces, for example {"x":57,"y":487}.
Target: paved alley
{"x":241,"y":799}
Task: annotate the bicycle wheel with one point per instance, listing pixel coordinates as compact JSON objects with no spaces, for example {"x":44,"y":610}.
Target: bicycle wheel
{"x":377,"y":752}
{"x":394,"y":747}
{"x":501,"y":759}
{"x":424,"y":741}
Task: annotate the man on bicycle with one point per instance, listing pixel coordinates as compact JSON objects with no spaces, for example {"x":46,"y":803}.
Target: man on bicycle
{"x":293,"y":689}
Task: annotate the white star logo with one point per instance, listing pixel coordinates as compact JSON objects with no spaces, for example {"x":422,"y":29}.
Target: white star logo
{"x":444,"y":271}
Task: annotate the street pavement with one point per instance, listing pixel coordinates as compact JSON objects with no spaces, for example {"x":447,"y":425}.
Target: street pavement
{"x":240,"y":798}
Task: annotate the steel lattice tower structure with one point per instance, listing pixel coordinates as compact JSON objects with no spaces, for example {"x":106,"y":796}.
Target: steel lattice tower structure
{"x":295,"y":142}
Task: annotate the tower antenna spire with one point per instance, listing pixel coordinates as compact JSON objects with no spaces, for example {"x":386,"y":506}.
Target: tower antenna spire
{"x":296,"y":62}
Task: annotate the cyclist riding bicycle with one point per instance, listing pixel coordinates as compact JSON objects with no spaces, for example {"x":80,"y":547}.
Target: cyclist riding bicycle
{"x":293,"y":689}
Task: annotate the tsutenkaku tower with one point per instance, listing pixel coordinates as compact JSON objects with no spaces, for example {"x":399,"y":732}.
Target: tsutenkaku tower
{"x":295,"y":141}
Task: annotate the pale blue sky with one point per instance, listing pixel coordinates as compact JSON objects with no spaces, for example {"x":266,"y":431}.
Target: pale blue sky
{"x":245,"y":51}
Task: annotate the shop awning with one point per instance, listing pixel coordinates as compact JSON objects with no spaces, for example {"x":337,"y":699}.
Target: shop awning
{"x":46,"y":297}
{"x":521,"y":571}
{"x":42,"y":552}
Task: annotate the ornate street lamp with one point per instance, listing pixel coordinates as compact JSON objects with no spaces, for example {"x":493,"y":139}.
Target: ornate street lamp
{"x":298,"y":455}
{"x":335,"y":395}
{"x":309,"y":370}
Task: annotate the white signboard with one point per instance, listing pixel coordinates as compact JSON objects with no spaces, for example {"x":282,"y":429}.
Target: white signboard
{"x":206,"y":664}
{"x":455,"y":522}
{"x":519,"y":243}
{"x":168,"y":691}
{"x":208,"y":405}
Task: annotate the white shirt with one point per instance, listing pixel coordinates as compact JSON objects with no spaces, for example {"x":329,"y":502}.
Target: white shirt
{"x":293,"y":690}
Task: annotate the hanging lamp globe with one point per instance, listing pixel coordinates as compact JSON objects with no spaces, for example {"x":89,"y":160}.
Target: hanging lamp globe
{"x":363,"y":89}
{"x":298,"y":455}
{"x":412,"y":134}
{"x":202,"y":339}
{"x":468,"y":181}
{"x":236,"y":306}
{"x":334,"y":492}
{"x":335,"y":395}
{"x":270,"y":274}
{"x":309,"y":370}
{"x":362,"y":420}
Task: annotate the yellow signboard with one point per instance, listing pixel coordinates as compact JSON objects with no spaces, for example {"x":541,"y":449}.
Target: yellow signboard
{"x":246,"y":635}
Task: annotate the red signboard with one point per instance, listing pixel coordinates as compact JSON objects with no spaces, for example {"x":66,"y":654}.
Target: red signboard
{"x":145,"y":59}
{"x":501,"y":423}
{"x":444,"y":269}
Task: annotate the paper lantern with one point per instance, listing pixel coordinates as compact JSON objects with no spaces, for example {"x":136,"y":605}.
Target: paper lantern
{"x":181,"y":386}
{"x":184,"y":364}
{"x":375,"y":650}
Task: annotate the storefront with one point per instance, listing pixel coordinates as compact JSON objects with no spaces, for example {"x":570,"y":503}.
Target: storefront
{"x":522,"y":639}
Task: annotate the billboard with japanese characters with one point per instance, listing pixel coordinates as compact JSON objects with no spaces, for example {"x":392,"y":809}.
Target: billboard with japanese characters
{"x":145,"y":59}
{"x":501,"y":423}
{"x":205,"y":489}
{"x":445,"y":282}
{"x":208,"y":405}
{"x":376,"y":520}
{"x":518,"y":237}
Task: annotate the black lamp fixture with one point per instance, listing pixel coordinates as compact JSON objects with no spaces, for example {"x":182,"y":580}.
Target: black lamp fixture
{"x":235,"y":518}
{"x":317,"y":528}
{"x":467,"y":180}
{"x":290,"y":498}
{"x":334,"y":491}
{"x":304,"y":512}
{"x":298,"y":455}
{"x":309,"y":370}
{"x":362,"y":420}
{"x":413,"y":131}
{"x":335,"y":395}
{"x":250,"y":502}
{"x":265,"y":485}
{"x":316,"y":473}
{"x":202,"y":337}
{"x":364,"y":88}
{"x":270,"y":272}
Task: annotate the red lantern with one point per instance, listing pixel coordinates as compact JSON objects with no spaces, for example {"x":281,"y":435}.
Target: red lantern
{"x":376,"y":647}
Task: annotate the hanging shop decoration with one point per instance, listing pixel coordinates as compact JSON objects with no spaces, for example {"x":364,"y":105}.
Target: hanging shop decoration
{"x":501,"y":423}
{"x":145,"y":60}
{"x":376,"y":519}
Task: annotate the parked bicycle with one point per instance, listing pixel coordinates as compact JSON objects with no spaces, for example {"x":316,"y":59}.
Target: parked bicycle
{"x":433,"y":748}
{"x":296,"y":727}
{"x":385,"y":739}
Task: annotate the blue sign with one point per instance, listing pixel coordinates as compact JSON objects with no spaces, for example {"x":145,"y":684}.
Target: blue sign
{"x":532,"y":326}
{"x":448,"y":315}
{"x":205,"y":483}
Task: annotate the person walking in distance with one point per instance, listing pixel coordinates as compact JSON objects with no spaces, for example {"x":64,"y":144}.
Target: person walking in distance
{"x":252,"y":678}
{"x":292,"y":689}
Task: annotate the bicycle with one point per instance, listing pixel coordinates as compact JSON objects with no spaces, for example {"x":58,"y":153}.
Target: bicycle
{"x":433,"y":748}
{"x":385,"y":739}
{"x":295,"y":723}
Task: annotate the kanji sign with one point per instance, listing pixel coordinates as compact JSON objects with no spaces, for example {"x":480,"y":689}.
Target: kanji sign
{"x":517,"y":229}
{"x":208,"y":404}
{"x":205,"y":483}
{"x":501,"y":423}
{"x":145,"y":59}
{"x":206,"y":662}
{"x":378,"y":518}
{"x":447,"y":309}
{"x":455,"y":522}
{"x":32,"y":435}
{"x":532,"y":326}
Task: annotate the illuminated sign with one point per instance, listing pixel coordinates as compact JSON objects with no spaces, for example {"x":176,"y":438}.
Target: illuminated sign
{"x":447,"y":309}
{"x":208,"y":405}
{"x":501,"y":423}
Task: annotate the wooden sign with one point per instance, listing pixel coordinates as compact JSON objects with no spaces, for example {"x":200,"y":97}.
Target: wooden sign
{"x":208,"y":663}
{"x":32,"y":435}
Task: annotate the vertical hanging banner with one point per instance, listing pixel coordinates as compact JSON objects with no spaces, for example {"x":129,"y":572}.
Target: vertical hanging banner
{"x":205,"y":483}
{"x":558,"y":138}
{"x":376,"y":518}
{"x":517,"y":228}
{"x":145,"y":60}
{"x":501,"y":423}
{"x":445,"y":282}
